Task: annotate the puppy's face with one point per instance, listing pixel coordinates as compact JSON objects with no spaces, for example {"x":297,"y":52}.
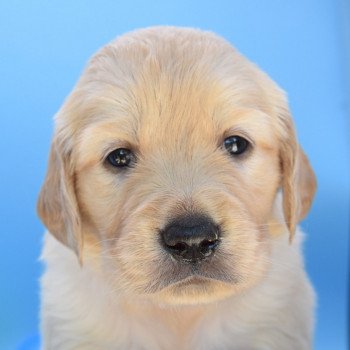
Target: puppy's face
{"x":169,"y":155}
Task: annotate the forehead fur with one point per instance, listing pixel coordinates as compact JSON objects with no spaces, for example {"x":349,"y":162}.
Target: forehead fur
{"x":168,"y":74}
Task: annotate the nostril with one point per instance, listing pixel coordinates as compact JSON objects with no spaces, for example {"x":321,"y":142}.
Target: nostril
{"x":207,"y":246}
{"x":179,"y":247}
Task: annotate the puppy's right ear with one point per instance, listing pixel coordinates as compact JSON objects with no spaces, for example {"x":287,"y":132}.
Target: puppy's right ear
{"x":57,"y":204}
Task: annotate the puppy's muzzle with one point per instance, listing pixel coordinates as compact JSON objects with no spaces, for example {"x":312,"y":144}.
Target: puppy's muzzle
{"x":191,"y":238}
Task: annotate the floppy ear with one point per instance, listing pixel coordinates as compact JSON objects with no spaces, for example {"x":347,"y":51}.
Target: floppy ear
{"x":298,"y":181}
{"x":57,"y":204}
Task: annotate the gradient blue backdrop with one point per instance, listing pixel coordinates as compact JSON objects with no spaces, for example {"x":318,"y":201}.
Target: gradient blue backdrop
{"x":44,"y":45}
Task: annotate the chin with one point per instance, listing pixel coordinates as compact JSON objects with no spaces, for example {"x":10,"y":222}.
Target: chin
{"x":195,"y":291}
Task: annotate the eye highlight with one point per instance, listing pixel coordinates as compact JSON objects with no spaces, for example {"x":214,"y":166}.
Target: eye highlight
{"x":236,"y":145}
{"x":121,"y":157}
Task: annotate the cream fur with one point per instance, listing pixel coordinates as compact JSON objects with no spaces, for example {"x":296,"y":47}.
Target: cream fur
{"x":172,"y":95}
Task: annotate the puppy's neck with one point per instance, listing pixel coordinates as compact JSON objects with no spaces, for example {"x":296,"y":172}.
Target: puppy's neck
{"x":180,"y":320}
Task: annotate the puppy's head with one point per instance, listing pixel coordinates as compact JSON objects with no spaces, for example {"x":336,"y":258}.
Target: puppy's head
{"x":168,"y":158}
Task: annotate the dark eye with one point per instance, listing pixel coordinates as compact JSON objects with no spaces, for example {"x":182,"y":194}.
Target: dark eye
{"x":121,"y":157}
{"x":236,"y":145}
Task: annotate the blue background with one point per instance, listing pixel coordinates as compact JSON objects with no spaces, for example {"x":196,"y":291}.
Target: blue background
{"x":44,"y":45}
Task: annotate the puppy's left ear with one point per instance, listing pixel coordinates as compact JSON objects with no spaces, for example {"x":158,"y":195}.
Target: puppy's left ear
{"x":298,"y":180}
{"x":57,"y":204}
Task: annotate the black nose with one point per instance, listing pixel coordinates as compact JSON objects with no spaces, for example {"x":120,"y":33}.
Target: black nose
{"x":191,"y":238}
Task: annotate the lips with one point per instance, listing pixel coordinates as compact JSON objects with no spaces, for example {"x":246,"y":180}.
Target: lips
{"x":194,"y":280}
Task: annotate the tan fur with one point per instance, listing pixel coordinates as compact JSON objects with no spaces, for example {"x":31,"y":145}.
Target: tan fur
{"x":172,"y":96}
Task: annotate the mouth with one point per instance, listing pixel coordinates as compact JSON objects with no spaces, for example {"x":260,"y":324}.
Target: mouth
{"x":195,"y":290}
{"x":194,"y":280}
{"x":183,"y":274}
{"x":199,"y":275}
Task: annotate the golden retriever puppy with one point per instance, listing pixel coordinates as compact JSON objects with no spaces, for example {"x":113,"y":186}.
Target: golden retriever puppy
{"x":174,"y":187}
